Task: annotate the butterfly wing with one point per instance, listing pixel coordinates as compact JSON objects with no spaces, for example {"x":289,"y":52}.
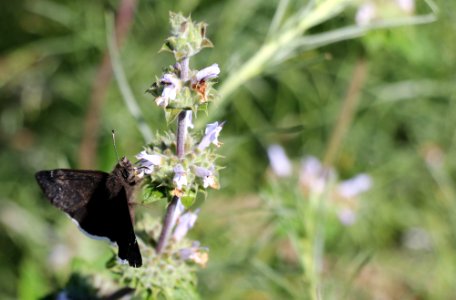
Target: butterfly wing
{"x":99,"y":211}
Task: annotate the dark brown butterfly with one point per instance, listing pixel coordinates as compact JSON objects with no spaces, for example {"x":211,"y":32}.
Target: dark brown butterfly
{"x":98,"y":202}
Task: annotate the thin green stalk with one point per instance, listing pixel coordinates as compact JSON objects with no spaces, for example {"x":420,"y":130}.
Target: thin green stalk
{"x":127,"y":94}
{"x":255,"y":65}
{"x":290,"y":40}
{"x":346,"y":113}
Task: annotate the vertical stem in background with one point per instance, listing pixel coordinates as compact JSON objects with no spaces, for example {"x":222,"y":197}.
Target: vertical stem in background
{"x":346,"y":112}
{"x":88,"y":147}
{"x":313,"y":244}
{"x":181,"y":136}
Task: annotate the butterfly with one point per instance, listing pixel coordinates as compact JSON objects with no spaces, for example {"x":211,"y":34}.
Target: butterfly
{"x":99,"y":203}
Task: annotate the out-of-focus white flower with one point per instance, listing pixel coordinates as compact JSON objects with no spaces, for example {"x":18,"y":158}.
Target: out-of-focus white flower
{"x":195,"y":253}
{"x":280,"y":163}
{"x":417,"y":239}
{"x":313,"y":176}
{"x":207,"y":73}
{"x":180,"y":176}
{"x":347,"y":216}
{"x":353,"y":187}
{"x":407,"y":6}
{"x":171,"y":85}
{"x":366,"y":13}
{"x":184,"y":223}
{"x":211,"y":135}
{"x":207,"y":175}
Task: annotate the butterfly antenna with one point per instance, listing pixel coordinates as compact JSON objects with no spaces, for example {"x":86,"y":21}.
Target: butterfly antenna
{"x":114,"y":142}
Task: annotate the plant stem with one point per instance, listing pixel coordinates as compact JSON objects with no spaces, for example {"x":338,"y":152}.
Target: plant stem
{"x":346,"y":112}
{"x":181,"y":136}
{"x":168,"y":224}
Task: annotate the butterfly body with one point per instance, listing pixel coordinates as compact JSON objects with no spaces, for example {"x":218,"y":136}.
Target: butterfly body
{"x":98,"y":202}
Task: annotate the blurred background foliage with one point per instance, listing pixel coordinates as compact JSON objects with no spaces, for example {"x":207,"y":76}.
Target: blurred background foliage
{"x":402,"y":134}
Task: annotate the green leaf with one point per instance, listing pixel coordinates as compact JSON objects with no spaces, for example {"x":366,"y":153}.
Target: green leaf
{"x":151,"y":195}
{"x":188,"y":200}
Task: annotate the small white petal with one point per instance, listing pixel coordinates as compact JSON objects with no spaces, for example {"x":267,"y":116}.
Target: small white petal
{"x":171,"y":86}
{"x":407,"y":6}
{"x":180,"y":208}
{"x":313,"y":176}
{"x":347,"y":216}
{"x":208,"y":73}
{"x":170,"y":79}
{"x":154,"y":159}
{"x":280,"y":163}
{"x":210,"y":181}
{"x":180,"y":177}
{"x":185,"y":223}
{"x":189,"y":119}
{"x":195,"y":253}
{"x":207,"y":175}
{"x":169,"y":92}
{"x":147,"y":162}
{"x":417,"y":238}
{"x":161,"y":101}
{"x":202,"y":172}
{"x":353,"y":187}
{"x":211,"y":135}
{"x":366,"y":14}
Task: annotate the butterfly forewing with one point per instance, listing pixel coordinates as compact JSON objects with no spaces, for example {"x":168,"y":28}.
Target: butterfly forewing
{"x":98,"y":202}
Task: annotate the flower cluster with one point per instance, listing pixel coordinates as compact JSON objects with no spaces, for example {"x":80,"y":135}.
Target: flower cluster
{"x":174,"y":269}
{"x":182,"y":177}
{"x":187,"y":38}
{"x":316,"y":179}
{"x":172,"y":92}
{"x":181,"y":90}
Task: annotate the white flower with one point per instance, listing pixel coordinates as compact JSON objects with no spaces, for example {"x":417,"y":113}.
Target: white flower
{"x":211,"y":135}
{"x":207,"y":73}
{"x":207,"y":175}
{"x":184,"y":224}
{"x":180,"y":208}
{"x":148,"y":161}
{"x":180,"y":176}
{"x":366,"y":13}
{"x":313,"y":176}
{"x":417,"y":238}
{"x":171,"y":85}
{"x":408,"y":6}
{"x":347,"y":216}
{"x":195,"y":253}
{"x":161,"y":101}
{"x":188,"y":119}
{"x":351,"y":188}
{"x":280,"y":163}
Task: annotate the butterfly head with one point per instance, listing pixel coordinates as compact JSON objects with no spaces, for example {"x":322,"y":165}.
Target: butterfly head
{"x":126,"y":170}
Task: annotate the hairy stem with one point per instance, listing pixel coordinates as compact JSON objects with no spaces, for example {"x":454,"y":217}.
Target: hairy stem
{"x":168,"y":224}
{"x":181,"y":136}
